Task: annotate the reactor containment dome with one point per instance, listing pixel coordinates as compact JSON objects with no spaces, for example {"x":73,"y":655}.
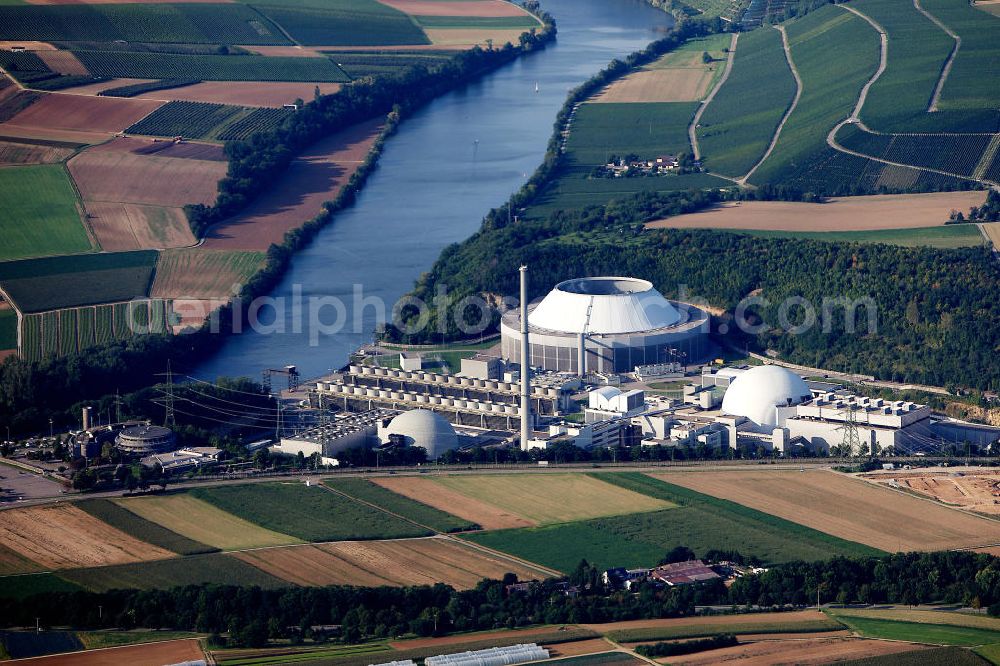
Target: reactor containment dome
{"x":757,"y":393}
{"x":422,"y":427}
{"x":606,"y":324}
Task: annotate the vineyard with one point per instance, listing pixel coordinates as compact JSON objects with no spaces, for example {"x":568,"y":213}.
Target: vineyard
{"x":31,"y":71}
{"x":69,"y":331}
{"x":494,"y":22}
{"x":354,"y":23}
{"x":357,"y":64}
{"x":139,"y":88}
{"x":952,"y":153}
{"x":124,"y":65}
{"x":163,"y":23}
{"x":199,"y":120}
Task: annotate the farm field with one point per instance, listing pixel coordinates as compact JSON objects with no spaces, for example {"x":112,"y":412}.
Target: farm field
{"x":121,"y":227}
{"x":633,"y":631}
{"x":937,"y":634}
{"x":977,"y":59}
{"x":737,"y":126}
{"x":344,"y":23}
{"x":41,"y":214}
{"x":29,"y":152}
{"x":244,"y":93}
{"x":211,"y":122}
{"x":440,"y":497}
{"x":36,"y":285}
{"x":840,"y":214}
{"x":119,"y":517}
{"x":958,"y":154}
{"x":557,"y":498}
{"x":142,"y":65}
{"x":62,"y":536}
{"x":465,"y":38}
{"x":20,"y":586}
{"x":678,"y":76}
{"x":418,"y":512}
{"x":313,"y":178}
{"x":219,"y":568}
{"x":993,"y":233}
{"x":974,"y":489}
{"x":846,"y":507}
{"x":828,"y":94}
{"x":455,"y":8}
{"x":944,"y":237}
{"x":920,"y":616}
{"x":186,"y":650}
{"x":811,"y":650}
{"x":138,"y":171}
{"x":310,"y":513}
{"x":648,"y":130}
{"x":394,"y":562}
{"x":701,"y":523}
{"x":197,"y":273}
{"x":76,"y":113}
{"x":201,"y":522}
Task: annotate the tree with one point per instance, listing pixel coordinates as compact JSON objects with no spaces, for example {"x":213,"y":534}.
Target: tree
{"x":678,"y":554}
{"x":706,"y":57}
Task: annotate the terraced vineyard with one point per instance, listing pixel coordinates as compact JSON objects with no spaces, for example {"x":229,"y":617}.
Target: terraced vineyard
{"x":344,"y":23}
{"x":198,"y":120}
{"x":209,"y":67}
{"x":953,"y":153}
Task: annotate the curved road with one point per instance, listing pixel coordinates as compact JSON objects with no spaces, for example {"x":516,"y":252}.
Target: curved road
{"x":692,"y":134}
{"x":788,"y":112}
{"x":932,"y":107}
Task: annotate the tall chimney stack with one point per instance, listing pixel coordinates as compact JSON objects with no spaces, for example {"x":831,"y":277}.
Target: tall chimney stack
{"x":86,"y":418}
{"x":526,"y":416}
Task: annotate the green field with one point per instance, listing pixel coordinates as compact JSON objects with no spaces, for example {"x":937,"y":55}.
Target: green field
{"x":139,"y":65}
{"x":409,"y":509}
{"x":710,"y":629}
{"x":159,"y":23}
{"x":40,"y":213}
{"x":700,"y":522}
{"x":941,"y":656}
{"x":920,"y":632}
{"x":328,"y":654}
{"x":945,"y":236}
{"x":738,"y":125}
{"x":36,"y":285}
{"x":308,"y":513}
{"x":828,"y":93}
{"x":22,"y":586}
{"x":164,"y":574}
{"x":199,"y":120}
{"x":130,"y":523}
{"x":645,"y":129}
{"x":95,"y":640}
{"x":978,"y":60}
{"x":344,"y":23}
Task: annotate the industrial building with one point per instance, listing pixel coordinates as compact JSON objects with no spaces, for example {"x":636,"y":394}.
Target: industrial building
{"x":606,"y":325}
{"x":420,"y":427}
{"x":342,"y":431}
{"x":145,"y":440}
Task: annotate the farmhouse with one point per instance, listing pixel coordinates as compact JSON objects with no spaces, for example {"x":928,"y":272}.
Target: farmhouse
{"x":671,"y":575}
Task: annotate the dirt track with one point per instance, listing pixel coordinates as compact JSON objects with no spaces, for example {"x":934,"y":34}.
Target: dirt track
{"x":864,"y":213}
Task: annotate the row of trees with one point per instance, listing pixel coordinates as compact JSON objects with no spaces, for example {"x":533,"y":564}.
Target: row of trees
{"x":365,"y":613}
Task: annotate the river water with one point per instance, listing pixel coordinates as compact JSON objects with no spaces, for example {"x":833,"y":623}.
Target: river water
{"x":448,"y":164}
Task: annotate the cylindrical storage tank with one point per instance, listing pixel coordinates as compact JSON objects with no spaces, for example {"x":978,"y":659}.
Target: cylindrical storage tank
{"x":396,"y":395}
{"x":483,"y":406}
{"x":508,"y":409}
{"x":466,"y":381}
{"x":517,"y":411}
{"x":459,"y":402}
{"x":447,"y":402}
{"x":320,"y":386}
{"x":435,"y":399}
{"x":505,"y":386}
{"x":366,"y":370}
{"x":382,"y":393}
{"x":452,"y":379}
{"x":410,"y":397}
{"x":358,"y":390}
{"x":422,"y":376}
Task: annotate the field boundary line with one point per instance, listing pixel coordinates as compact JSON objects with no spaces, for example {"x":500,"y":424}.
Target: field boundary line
{"x":984,"y":162}
{"x":946,"y":69}
{"x":882,"y":63}
{"x":692,"y":127}
{"x":788,"y":112}
{"x":377,"y":507}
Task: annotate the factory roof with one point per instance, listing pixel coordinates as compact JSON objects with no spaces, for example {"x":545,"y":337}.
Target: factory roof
{"x":604,"y":305}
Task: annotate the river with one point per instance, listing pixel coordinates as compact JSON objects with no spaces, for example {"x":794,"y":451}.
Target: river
{"x":448,"y":164}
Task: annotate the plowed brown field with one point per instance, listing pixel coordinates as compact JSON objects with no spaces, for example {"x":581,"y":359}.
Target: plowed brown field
{"x":94,"y":88}
{"x":184,"y":650}
{"x":116,"y":172}
{"x":314,"y":177}
{"x":799,"y":651}
{"x":846,"y":507}
{"x":16,"y":152}
{"x":455,"y":7}
{"x":865,"y":213}
{"x":80,"y":113}
{"x":62,"y":536}
{"x":124,"y":226}
{"x":489,"y":517}
{"x":396,"y":562}
{"x":249,"y":93}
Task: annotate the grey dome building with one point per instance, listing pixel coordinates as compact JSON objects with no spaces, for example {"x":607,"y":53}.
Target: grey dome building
{"x":422,"y":427}
{"x":146,"y":439}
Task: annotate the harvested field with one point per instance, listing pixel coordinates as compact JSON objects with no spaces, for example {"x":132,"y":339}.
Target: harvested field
{"x":191,"y":312}
{"x":992,"y":230}
{"x":425,"y":490}
{"x":125,"y":171}
{"x":202,"y":522}
{"x":865,"y":213}
{"x":62,"y":536}
{"x":63,"y":62}
{"x":18,"y":152}
{"x":124,"y":226}
{"x":313,"y":178}
{"x":396,"y":562}
{"x":923,"y":617}
{"x":100,"y":86}
{"x":659,"y":85}
{"x":78,"y":113}
{"x":464,"y":38}
{"x":9,"y":131}
{"x":184,"y":650}
{"x":577,"y":648}
{"x":846,"y":507}
{"x":247,"y":93}
{"x":5,"y":45}
{"x":558,"y":498}
{"x":798,"y":651}
{"x":285,"y":50}
{"x":455,"y":7}
{"x":734,"y":621}
{"x":197,"y":273}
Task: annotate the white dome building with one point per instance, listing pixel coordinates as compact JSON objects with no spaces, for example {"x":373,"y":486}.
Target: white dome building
{"x":422,"y":427}
{"x":617,"y":322}
{"x":758,"y":392}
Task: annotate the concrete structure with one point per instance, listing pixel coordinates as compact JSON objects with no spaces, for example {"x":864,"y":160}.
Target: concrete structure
{"x":481,"y":366}
{"x":605,"y":325}
{"x":527,"y":419}
{"x":145,"y":440}
{"x":420,"y":427}
{"x":410,"y":361}
{"x":609,"y":402}
{"x":184,"y":459}
{"x":344,"y":431}
{"x":759,"y":394}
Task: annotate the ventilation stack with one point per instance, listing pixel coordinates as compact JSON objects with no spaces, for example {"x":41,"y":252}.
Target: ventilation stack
{"x":526,"y":420}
